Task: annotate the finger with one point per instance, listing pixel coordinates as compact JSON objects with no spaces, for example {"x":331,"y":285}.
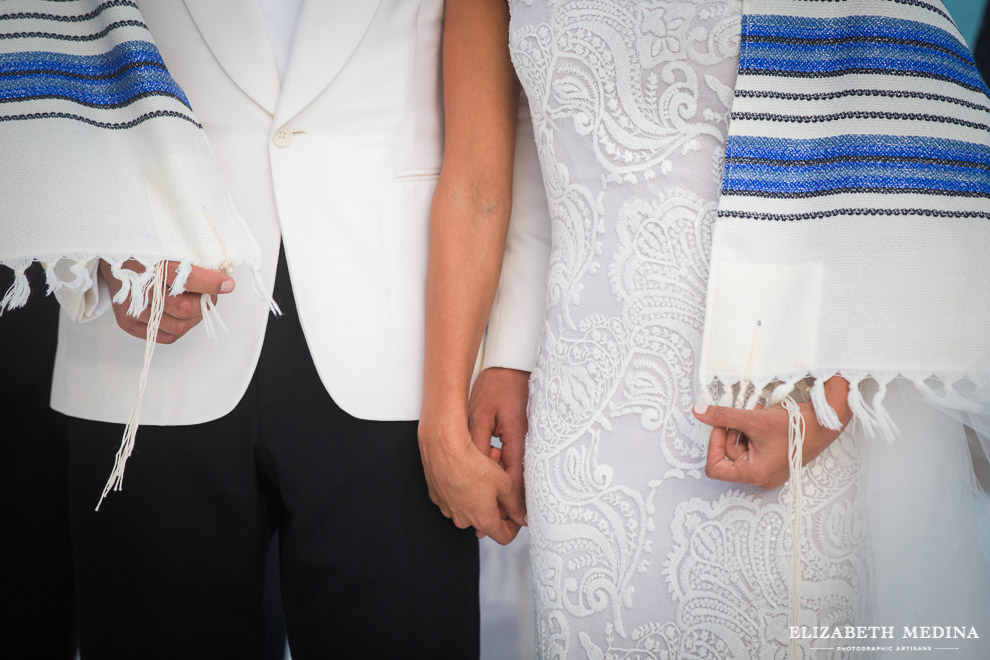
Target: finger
{"x":514,"y":504}
{"x":166,"y":337}
{"x":718,"y":466}
{"x":731,"y":471}
{"x":184,"y":306}
{"x":738,"y":438}
{"x":139,"y":330}
{"x":716,"y":448}
{"x":142,"y":318}
{"x":201,"y":280}
{"x":733,"y":418}
{"x":734,"y":449}
{"x":134,"y":328}
{"x":496,"y":454}
{"x":481,"y":428}
{"x":503,"y":531}
{"x":513,"y":450}
{"x":177,"y":327}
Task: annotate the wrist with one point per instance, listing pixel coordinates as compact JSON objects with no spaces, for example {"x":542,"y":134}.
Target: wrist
{"x":447,"y":428}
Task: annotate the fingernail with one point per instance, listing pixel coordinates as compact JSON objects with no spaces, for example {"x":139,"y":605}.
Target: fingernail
{"x":700,"y":408}
{"x":227,"y":286}
{"x":526,"y":520}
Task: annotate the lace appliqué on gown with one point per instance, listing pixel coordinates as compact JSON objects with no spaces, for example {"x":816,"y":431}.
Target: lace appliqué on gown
{"x":635,"y":553}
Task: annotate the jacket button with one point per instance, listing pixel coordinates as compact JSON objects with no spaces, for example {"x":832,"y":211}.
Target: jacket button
{"x":282,"y":137}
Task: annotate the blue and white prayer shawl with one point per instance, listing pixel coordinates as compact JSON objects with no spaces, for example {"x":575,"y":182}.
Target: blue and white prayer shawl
{"x":103,"y":158}
{"x":853,"y":229}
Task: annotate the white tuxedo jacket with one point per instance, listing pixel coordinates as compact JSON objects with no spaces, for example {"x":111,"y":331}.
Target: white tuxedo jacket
{"x":340,"y":160}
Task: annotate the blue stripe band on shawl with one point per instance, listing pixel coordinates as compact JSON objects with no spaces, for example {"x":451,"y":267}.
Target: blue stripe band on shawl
{"x":130,"y":70}
{"x":787,"y":181}
{"x":880,"y":45}
{"x":806,"y":59}
{"x":92,"y":65}
{"x":94,"y":94}
{"x":880,"y":146}
{"x":757,"y":26}
{"x":787,"y":167}
{"x":805,"y":168}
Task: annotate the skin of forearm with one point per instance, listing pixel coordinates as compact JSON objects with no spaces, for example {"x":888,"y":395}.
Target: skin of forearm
{"x":467,"y":239}
{"x":470,"y":215}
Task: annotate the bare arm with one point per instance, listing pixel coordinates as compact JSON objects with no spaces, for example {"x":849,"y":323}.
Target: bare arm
{"x":468,"y":226}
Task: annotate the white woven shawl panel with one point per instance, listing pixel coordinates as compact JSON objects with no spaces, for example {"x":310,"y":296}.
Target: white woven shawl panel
{"x":103,"y":157}
{"x":854,"y":219}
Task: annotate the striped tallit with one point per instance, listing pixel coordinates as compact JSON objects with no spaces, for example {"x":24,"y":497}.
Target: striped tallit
{"x":853,"y":238}
{"x":853,"y":231}
{"x":103,"y":158}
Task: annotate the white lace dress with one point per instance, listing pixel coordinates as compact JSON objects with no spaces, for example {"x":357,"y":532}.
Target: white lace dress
{"x":636,"y":554}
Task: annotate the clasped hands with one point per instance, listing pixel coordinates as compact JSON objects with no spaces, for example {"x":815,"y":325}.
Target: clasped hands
{"x":475,"y":484}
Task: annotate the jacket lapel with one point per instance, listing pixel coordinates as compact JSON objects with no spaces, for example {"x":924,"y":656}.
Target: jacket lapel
{"x":327,"y":34}
{"x":236,"y":34}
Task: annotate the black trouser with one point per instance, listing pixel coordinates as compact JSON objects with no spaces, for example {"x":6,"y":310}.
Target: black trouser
{"x":35,"y":556}
{"x":171,"y":567}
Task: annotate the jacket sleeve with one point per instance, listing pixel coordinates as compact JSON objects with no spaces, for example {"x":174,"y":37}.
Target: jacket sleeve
{"x":89,"y":303}
{"x":519,"y":306}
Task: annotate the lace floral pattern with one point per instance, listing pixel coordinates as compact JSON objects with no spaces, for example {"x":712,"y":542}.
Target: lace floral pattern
{"x":635,"y":553}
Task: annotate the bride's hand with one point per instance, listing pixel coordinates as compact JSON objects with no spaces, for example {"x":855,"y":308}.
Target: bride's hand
{"x":469,"y":487}
{"x":497,"y":408}
{"x":750,"y":446}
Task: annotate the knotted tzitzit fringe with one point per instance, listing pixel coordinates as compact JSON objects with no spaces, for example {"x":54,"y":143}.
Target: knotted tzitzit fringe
{"x":135,"y":287}
{"x":211,"y":318}
{"x":885,"y":423}
{"x":182,"y":272}
{"x":158,"y":285}
{"x":258,"y":284}
{"x":826,"y":414}
{"x":795,"y":453}
{"x":18,"y":293}
{"x":873,"y":419}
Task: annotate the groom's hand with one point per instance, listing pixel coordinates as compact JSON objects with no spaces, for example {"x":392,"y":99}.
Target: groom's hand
{"x":182,"y":312}
{"x":469,"y":487}
{"x":498,"y":409}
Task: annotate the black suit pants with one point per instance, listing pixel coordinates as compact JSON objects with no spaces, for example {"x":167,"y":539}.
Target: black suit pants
{"x":172,"y":566}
